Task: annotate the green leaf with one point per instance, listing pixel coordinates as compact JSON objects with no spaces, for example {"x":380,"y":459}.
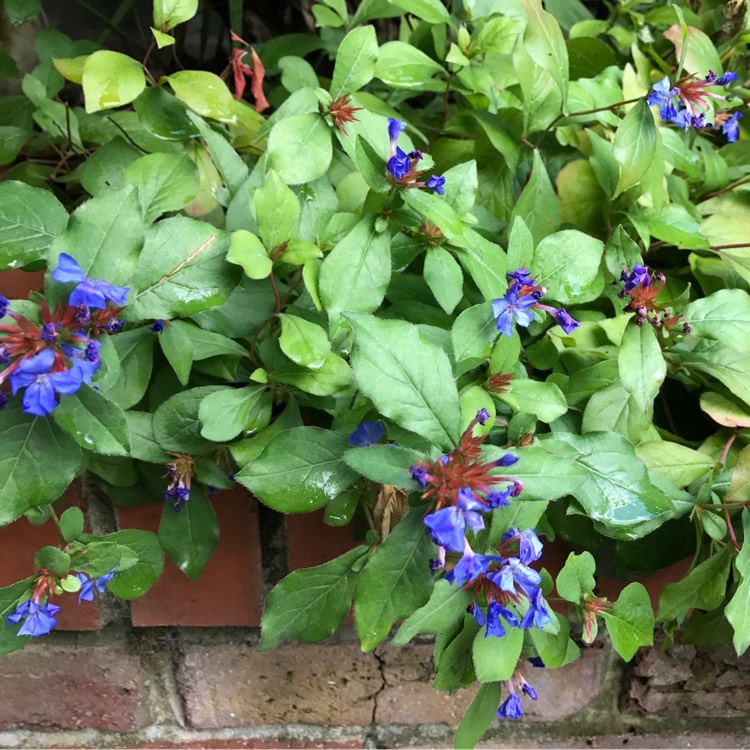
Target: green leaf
{"x":545,"y":45}
{"x":722,"y":316}
{"x":606,"y":169}
{"x":555,"y":649}
{"x":178,"y":349}
{"x":447,"y":605}
{"x":300,"y":148}
{"x":225,"y":413}
{"x":356,"y":273}
{"x":135,"y":581}
{"x":538,"y":205}
{"x":724,"y":411}
{"x":94,"y":422}
{"x":333,"y":378}
{"x":162,"y":40}
{"x":444,"y":277}
{"x":700,"y":55}
{"x":641,"y":364}
{"x":674,"y":224}
{"x":143,"y":445}
{"x":29,"y":444}
{"x":355,"y":61}
{"x":10,"y":596}
{"x":277,"y":211}
{"x":544,"y":400}
{"x":135,"y":350}
{"x":432,"y":11}
{"x":71,"y":524}
{"x":52,"y":559}
{"x":104,"y":235}
{"x":165,"y":182}
{"x":704,"y":587}
{"x":111,"y":79}
{"x":618,"y":492}
{"x":105,"y":168}
{"x":576,"y":579}
{"x":634,"y":147}
{"x":473,"y":334}
{"x":297,"y":73}
{"x":21,"y":11}
{"x":303,"y":342}
{"x":738,"y":609}
{"x":169,"y":13}
{"x":479,"y":716}
{"x":246,"y":250}
{"x":205,"y":93}
{"x":728,"y":366}
{"x":453,"y":657}
{"x":299,"y":470}
{"x":402,"y":66}
{"x":495,"y":659}
{"x":177,"y":426}
{"x":408,"y":378}
{"x":567,"y":263}
{"x":621,"y":253}
{"x":630,"y":622}
{"x":30,"y":219}
{"x":678,"y":463}
{"x":189,"y":536}
{"x":309,"y":604}
{"x":181,"y":271}
{"x":384,"y":464}
{"x":395,"y":581}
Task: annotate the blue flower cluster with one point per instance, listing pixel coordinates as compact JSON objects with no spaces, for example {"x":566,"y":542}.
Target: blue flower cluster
{"x":39,"y":617}
{"x":403,"y":166}
{"x":677,"y":104}
{"x":57,"y":357}
{"x":367,"y":433}
{"x":524,"y":294}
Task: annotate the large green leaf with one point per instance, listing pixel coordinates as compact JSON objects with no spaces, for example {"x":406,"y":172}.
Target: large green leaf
{"x":30,"y":219}
{"x":139,"y":578}
{"x":634,"y":147}
{"x":738,"y":609}
{"x":305,"y":343}
{"x":300,"y":148}
{"x":182,"y":270}
{"x":395,"y":582}
{"x":189,"y":536}
{"x":277,"y":211}
{"x":641,"y":364}
{"x":309,"y":604}
{"x":37,"y":461}
{"x":9,"y":598}
{"x":205,"y":93}
{"x":479,"y":715}
{"x":225,"y":413}
{"x":355,"y":61}
{"x":384,"y":464}
{"x":169,"y":13}
{"x":94,"y":422}
{"x":408,"y":378}
{"x":722,"y":316}
{"x":299,"y":470}
{"x":111,"y":79}
{"x":495,"y":659}
{"x":538,"y":205}
{"x":177,"y":426}
{"x":630,"y":623}
{"x":545,"y":44}
{"x":402,"y":66}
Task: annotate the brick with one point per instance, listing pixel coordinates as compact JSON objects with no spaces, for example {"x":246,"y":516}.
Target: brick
{"x":17,"y":283}
{"x":311,"y":542}
{"x":230,"y":588}
{"x":253,"y":743}
{"x":51,"y":687}
{"x":234,"y":685}
{"x":19,"y":542}
{"x":408,"y":698}
{"x":629,"y":741}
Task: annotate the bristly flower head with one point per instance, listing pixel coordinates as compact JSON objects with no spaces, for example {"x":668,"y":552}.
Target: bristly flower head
{"x":403,"y":167}
{"x":642,"y":288}
{"x":522,"y":295}
{"x":678,"y":103}
{"x":341,"y":111}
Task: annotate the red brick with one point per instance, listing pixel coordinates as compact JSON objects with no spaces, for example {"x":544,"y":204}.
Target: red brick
{"x":234,"y":685}
{"x":16,"y":283}
{"x":311,"y":542}
{"x":611,"y":587}
{"x":19,"y":542}
{"x":230,"y":588}
{"x":50,"y":687}
{"x":253,"y":743}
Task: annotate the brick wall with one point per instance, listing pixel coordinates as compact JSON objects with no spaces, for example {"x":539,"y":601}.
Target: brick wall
{"x":179,"y":667}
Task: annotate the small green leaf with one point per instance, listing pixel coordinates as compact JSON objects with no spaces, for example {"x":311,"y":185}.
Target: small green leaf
{"x":246,"y":250}
{"x":277,"y":211}
{"x":479,"y":715}
{"x":53,"y":560}
{"x":162,"y":40}
{"x":634,"y":147}
{"x":444,"y":277}
{"x":355,"y":61}
{"x":538,"y":205}
{"x":111,"y":79}
{"x":630,"y":622}
{"x":225,"y":413}
{"x":402,"y":66}
{"x":71,"y":524}
{"x":495,"y":659}
{"x":178,"y":349}
{"x":169,"y":13}
{"x":300,"y":148}
{"x":576,"y":579}
{"x":641,"y":364}
{"x":205,"y":93}
{"x":303,"y":342}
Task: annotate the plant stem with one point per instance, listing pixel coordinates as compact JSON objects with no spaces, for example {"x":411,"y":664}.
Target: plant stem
{"x":727,"y":188}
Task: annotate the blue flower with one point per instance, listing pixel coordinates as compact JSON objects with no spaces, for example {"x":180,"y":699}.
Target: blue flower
{"x":512,"y":306}
{"x":4,"y":305}
{"x":514,"y":572}
{"x":42,"y":385}
{"x":530,"y":546}
{"x":498,"y":499}
{"x":507,"y":460}
{"x":4,"y":355}
{"x":728,"y":77}
{"x":367,"y":433}
{"x":49,"y":332}
{"x":436,"y":183}
{"x":398,"y":165}
{"x":494,"y":624}
{"x":86,"y":361}
{"x":482,"y":416}
{"x":3,"y":400}
{"x":638,"y":277}
{"x":663,"y":94}
{"x":522,"y":276}
{"x":528,"y":689}
{"x":512,"y":708}
{"x":394,"y":129}
{"x":448,"y":526}
{"x":40,"y":618}
{"x":89,"y":292}
{"x":419,"y":475}
{"x":157,"y":327}
{"x":564,"y":320}
{"x":470,"y":566}
{"x":537,"y":614}
{"x":731,"y":127}
{"x":536,"y":661}
{"x":86,"y":592}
